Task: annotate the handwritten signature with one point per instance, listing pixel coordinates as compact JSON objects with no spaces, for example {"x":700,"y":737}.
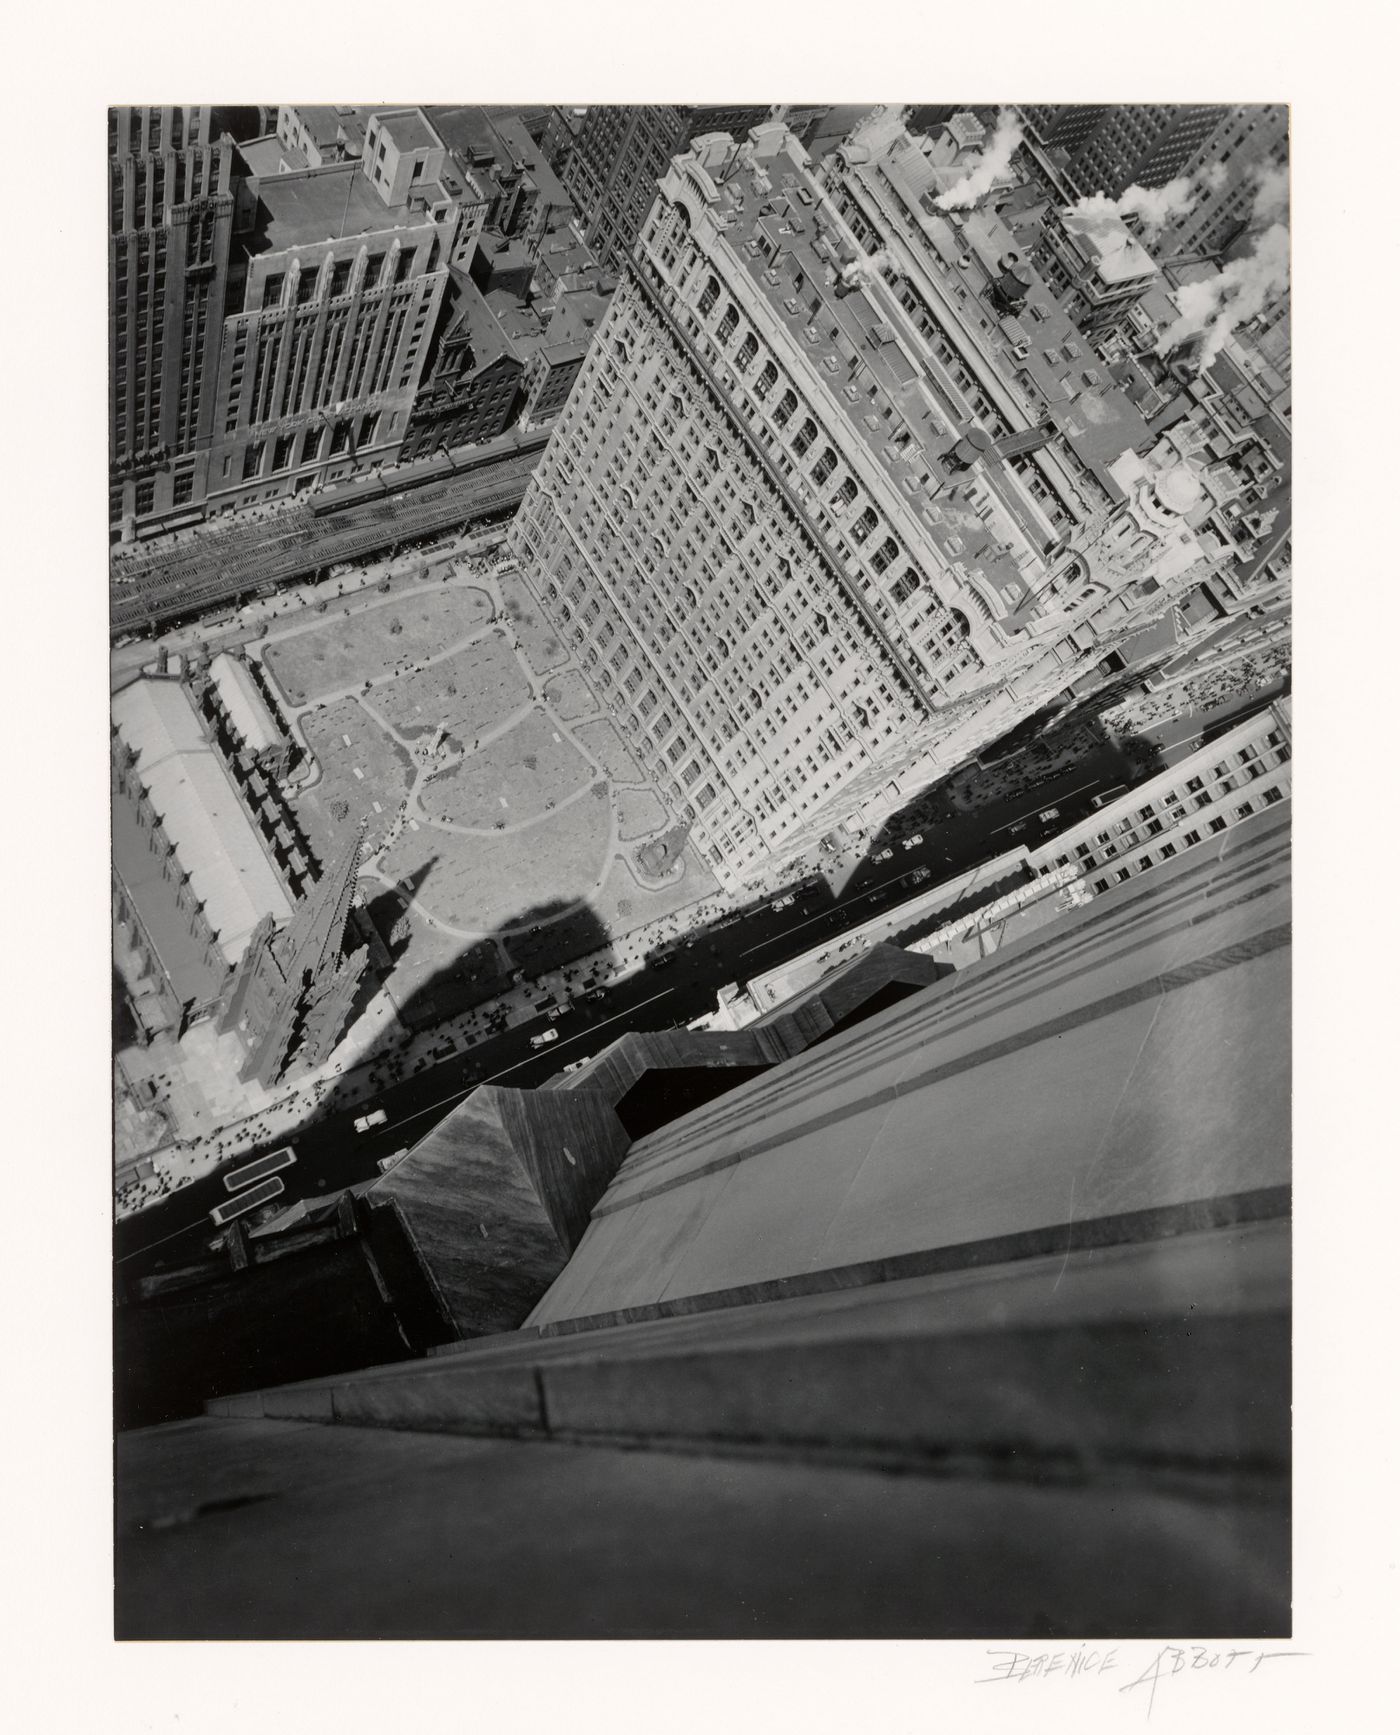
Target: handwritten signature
{"x":1168,"y":1663}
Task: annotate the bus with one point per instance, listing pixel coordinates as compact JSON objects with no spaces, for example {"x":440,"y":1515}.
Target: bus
{"x":237,"y":1179}
{"x":249,"y":1201}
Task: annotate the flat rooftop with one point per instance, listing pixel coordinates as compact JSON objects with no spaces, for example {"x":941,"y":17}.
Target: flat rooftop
{"x":324,"y":204}
{"x":409,"y":129}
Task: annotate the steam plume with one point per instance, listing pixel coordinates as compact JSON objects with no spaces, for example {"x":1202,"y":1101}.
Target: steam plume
{"x":1154,"y":207}
{"x":1271,"y":200}
{"x":1217,"y":305}
{"x":992,"y":164}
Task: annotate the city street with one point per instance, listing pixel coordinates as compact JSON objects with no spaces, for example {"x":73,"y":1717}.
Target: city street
{"x":331,"y":1154}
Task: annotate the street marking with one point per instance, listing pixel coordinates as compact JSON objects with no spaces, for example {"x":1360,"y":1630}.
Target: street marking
{"x":869,"y":892}
{"x":563,"y":1042}
{"x":1051,"y":800}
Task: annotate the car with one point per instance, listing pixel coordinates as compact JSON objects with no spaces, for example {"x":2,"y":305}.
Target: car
{"x":556,"y":1011}
{"x":885,"y":855}
{"x":574,"y":1065}
{"x":1049,"y":813}
{"x":913,"y":842}
{"x":375,"y":1118}
{"x":662,"y":961}
{"x":596,"y":998}
{"x":544,"y":1037}
{"x":918,"y":876}
{"x":783,"y":903}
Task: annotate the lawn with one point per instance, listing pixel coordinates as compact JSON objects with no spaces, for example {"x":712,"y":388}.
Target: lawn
{"x":603,"y":743}
{"x":472,"y":691}
{"x":570,"y":696}
{"x":348,"y":649}
{"x":492,"y":879}
{"x":624,"y":904}
{"x":639,"y":813}
{"x":537,"y":639}
{"x":518,"y":776}
{"x":335,"y":804}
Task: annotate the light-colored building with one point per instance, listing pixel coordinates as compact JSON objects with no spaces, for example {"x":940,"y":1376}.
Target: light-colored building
{"x":342,"y":275}
{"x":840,"y":494}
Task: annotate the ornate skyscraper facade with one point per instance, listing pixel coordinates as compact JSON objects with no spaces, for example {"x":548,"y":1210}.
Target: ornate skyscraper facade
{"x":840,"y":495}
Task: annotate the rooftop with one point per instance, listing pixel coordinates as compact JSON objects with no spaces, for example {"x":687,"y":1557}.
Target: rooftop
{"x":1105,"y":237}
{"x":314,"y":205}
{"x":200,"y":811}
{"x":408,"y":129}
{"x":898,"y":399}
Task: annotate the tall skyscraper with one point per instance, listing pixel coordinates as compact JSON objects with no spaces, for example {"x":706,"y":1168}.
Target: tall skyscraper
{"x":621,"y":153}
{"x":291,"y":991}
{"x":840,"y":494}
{"x":1109,"y":148}
{"x":171,"y":210}
{"x":1018,"y":1231}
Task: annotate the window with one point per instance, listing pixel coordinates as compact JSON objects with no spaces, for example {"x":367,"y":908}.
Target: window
{"x":340,"y":276}
{"x":729,"y":324}
{"x":340,"y":438}
{"x":252,"y":459}
{"x":282,"y":452}
{"x":864,"y":525}
{"x":1271,"y":796}
{"x":306,"y":285}
{"x":709,"y":296}
{"x":804,"y":437}
{"x":367,"y":427}
{"x":884,"y":554}
{"x":824,"y":466}
{"x":783,"y":414}
{"x":146,"y":495}
{"x":765,"y":381}
{"x":374,"y":265}
{"x":272,"y":288}
{"x":405,"y":264}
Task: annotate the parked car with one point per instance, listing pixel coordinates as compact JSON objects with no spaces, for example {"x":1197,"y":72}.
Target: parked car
{"x":918,"y":876}
{"x":911,"y":842}
{"x":783,"y":903}
{"x":556,"y":1011}
{"x":574,"y":1065}
{"x":1049,"y":813}
{"x":544,"y":1037}
{"x":596,"y":998}
{"x":885,"y":855}
{"x":375,"y":1118}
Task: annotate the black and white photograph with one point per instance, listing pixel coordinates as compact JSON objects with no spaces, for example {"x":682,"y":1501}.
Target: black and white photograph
{"x":698,"y":759}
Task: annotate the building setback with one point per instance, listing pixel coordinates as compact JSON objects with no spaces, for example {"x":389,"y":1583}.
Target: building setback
{"x":839,"y":495}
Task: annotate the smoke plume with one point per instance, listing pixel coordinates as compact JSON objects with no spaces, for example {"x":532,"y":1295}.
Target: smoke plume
{"x":1154,"y":207}
{"x":1217,"y":305}
{"x":1271,"y":199}
{"x":989,"y":167}
{"x":869,"y":265}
